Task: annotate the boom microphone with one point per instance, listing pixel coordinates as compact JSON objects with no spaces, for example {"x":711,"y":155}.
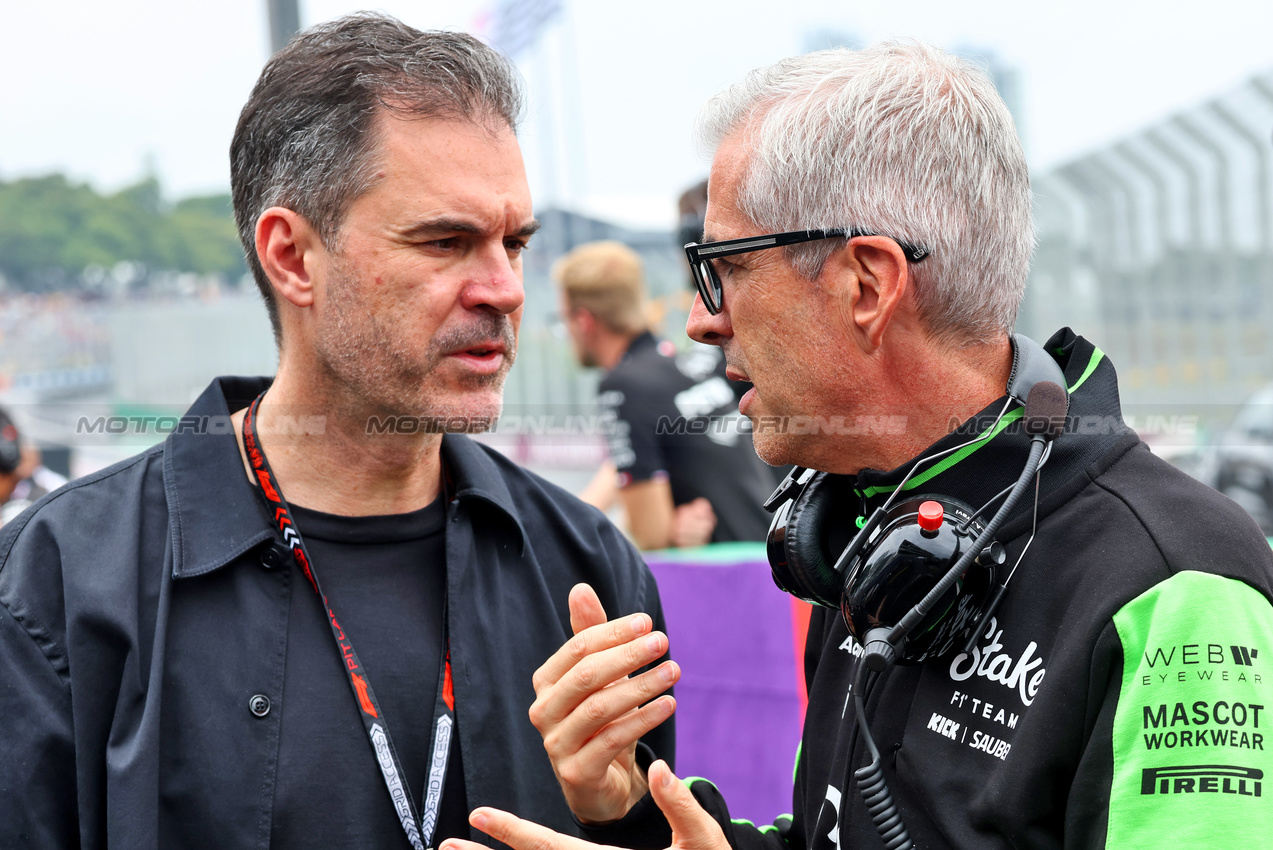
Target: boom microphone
{"x":1044,"y":420}
{"x":1045,"y":409}
{"x":876,"y":575}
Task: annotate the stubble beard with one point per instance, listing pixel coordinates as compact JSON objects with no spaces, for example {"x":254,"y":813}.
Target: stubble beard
{"x":773,"y":449}
{"x":379,"y":373}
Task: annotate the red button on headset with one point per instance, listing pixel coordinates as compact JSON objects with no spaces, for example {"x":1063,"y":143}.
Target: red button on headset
{"x":930,"y":515}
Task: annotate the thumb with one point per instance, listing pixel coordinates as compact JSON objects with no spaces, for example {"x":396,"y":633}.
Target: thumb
{"x":692,"y":827}
{"x":585,"y":608}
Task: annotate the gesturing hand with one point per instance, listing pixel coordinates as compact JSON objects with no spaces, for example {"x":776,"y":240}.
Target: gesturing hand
{"x":692,"y":827}
{"x":693,"y":523}
{"x":591,"y":713}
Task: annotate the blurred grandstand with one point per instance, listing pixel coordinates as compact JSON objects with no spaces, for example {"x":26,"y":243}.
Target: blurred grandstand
{"x":1159,"y":247}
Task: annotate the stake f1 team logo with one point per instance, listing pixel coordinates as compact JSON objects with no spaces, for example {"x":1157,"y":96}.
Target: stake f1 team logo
{"x":1202,"y":779}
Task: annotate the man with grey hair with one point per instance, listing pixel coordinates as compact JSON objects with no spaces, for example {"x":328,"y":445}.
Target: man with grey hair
{"x":1060,"y":683}
{"x":310,"y":617}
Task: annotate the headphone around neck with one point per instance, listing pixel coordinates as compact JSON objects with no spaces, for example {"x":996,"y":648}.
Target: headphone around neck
{"x":881,"y":576}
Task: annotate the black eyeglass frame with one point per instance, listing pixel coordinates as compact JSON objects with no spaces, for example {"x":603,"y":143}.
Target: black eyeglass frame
{"x":708,"y":281}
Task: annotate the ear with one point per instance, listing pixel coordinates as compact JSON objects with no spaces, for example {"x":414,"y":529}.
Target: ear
{"x":871,"y":277}
{"x":287,"y":247}
{"x":587,"y":321}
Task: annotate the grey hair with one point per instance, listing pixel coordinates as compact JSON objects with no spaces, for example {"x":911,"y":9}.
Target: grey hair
{"x":306,"y":139}
{"x":902,"y":140}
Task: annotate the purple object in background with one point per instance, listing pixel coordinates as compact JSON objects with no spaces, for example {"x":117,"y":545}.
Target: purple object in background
{"x":739,"y":701}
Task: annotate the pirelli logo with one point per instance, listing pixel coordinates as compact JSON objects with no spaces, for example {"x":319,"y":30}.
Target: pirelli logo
{"x":1202,"y":779}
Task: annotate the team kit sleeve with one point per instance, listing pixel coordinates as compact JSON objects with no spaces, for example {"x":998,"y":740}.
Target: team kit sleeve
{"x":632,"y":434}
{"x":645,"y":827}
{"x":743,"y":834}
{"x":787,"y":832}
{"x":1190,"y":740}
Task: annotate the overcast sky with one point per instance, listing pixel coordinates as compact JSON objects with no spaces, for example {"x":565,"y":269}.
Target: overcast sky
{"x":106,"y":91}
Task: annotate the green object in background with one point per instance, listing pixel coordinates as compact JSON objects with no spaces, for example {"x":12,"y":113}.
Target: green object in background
{"x":714,"y":553}
{"x":52,"y":228}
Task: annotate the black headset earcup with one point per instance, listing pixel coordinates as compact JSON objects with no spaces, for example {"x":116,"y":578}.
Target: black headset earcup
{"x":903,"y":562}
{"x":807,"y":535}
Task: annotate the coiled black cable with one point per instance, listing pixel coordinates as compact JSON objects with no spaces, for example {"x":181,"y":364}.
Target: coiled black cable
{"x":870,"y":779}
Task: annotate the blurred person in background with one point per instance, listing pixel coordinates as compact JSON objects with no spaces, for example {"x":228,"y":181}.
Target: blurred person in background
{"x":310,"y":617}
{"x":681,"y":457}
{"x":866,"y":250}
{"x":691,"y":209}
{"x":23,"y":476}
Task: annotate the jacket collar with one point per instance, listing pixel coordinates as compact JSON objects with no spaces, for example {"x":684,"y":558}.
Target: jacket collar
{"x":475,"y":476}
{"x":976,"y":472}
{"x":216,"y":513}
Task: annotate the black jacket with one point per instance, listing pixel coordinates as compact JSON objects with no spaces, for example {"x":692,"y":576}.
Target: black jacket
{"x":143,"y":607}
{"x":1120,"y":698}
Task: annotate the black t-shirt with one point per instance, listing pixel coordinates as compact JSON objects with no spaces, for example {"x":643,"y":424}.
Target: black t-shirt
{"x":675,"y":416}
{"x":385,"y":578}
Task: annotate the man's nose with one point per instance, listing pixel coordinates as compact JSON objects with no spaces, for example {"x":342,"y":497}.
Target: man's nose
{"x":703,"y":327}
{"x":495,"y":283}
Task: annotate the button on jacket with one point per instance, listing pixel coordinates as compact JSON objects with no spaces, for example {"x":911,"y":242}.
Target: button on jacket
{"x":143,"y":626}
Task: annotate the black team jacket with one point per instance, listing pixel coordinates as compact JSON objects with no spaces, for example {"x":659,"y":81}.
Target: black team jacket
{"x":1122,"y":697}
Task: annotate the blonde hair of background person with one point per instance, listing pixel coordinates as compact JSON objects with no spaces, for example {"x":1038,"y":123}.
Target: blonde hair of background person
{"x":604,"y":308}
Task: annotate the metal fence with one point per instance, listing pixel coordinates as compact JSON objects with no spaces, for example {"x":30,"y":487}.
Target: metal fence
{"x":1159,"y":247}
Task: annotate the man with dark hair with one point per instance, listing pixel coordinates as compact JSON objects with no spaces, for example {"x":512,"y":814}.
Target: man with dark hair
{"x":681,"y":460}
{"x":310,"y":617}
{"x":866,"y":246}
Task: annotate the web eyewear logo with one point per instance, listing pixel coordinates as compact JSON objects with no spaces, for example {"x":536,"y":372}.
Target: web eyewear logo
{"x":1202,"y":779}
{"x":1244,"y":656}
{"x":1208,"y":661}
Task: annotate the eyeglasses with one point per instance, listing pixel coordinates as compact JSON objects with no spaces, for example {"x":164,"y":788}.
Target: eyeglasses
{"x":700,"y":256}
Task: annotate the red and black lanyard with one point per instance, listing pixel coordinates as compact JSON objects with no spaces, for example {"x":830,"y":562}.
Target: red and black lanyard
{"x":419,"y":827}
